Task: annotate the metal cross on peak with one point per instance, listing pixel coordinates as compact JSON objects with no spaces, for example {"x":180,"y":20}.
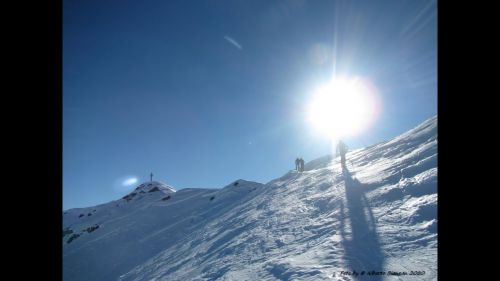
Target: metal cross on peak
{"x":151,"y":176}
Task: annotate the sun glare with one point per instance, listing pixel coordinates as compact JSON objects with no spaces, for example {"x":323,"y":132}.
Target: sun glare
{"x":343,"y":107}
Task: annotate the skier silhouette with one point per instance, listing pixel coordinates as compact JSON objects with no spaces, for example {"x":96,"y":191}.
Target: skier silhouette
{"x":342,"y":150}
{"x":297,"y":161}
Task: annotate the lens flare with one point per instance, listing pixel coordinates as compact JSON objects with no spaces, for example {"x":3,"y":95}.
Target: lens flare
{"x":125,"y":183}
{"x":129,"y":181}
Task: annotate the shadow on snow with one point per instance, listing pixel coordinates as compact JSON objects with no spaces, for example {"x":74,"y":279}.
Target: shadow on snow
{"x":360,"y":240}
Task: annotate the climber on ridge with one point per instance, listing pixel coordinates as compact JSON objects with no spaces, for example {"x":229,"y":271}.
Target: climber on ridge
{"x":342,"y":150}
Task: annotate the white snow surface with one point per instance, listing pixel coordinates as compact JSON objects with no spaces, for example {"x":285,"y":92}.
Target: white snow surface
{"x":380,"y":215}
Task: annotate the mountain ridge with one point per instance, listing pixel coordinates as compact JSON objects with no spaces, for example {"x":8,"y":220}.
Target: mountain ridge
{"x":379,"y":214}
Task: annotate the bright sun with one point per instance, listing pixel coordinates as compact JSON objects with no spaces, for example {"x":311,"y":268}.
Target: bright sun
{"x":343,"y":107}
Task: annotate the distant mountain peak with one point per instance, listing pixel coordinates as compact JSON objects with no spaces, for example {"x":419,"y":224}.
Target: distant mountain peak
{"x":156,"y":185}
{"x":148,"y":187}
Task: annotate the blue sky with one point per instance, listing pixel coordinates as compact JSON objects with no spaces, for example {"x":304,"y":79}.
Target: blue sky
{"x":202,"y":93}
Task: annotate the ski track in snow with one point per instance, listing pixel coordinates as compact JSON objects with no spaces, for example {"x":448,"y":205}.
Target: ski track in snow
{"x":380,"y":214}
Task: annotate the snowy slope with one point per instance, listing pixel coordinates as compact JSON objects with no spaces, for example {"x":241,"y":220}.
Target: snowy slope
{"x":379,"y":215}
{"x":138,"y":226}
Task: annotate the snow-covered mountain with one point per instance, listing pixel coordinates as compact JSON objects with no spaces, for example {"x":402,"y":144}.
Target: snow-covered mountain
{"x":379,"y":215}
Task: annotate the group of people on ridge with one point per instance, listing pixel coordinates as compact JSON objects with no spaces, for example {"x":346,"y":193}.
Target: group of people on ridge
{"x":341,"y":150}
{"x":299,"y":164}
